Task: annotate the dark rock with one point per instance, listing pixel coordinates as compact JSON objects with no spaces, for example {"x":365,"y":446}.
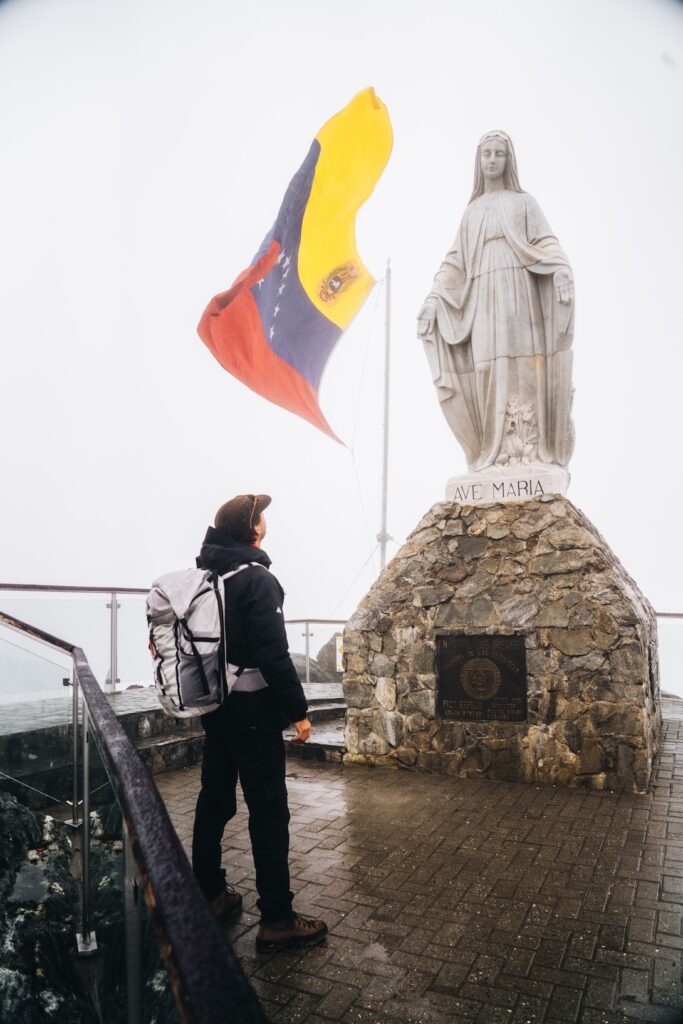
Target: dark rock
{"x":421,"y":701}
{"x":327,"y":656}
{"x":318,"y":674}
{"x":553,"y":614}
{"x":391,"y":727}
{"x":593,"y":758}
{"x":472,"y":547}
{"x":572,"y":641}
{"x":20,"y":831}
{"x":358,"y":694}
{"x":535,"y":569}
{"x":455,"y":573}
{"x":428,"y":596}
{"x":37,"y":925}
{"x":381,"y":665}
{"x":478,"y":583}
{"x":430,"y":761}
{"x":518,"y":609}
{"x":406,"y":756}
{"x":627,"y":664}
{"x":562,"y":561}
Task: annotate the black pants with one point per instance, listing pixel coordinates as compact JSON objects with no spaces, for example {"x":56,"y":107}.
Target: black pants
{"x":244,"y":740}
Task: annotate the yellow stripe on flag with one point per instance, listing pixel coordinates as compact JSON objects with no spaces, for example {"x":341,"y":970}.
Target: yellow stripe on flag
{"x":355,"y":145}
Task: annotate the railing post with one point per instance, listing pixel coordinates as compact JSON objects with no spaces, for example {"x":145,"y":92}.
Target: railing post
{"x":307,"y":634}
{"x":132,"y":918}
{"x":112,"y":679}
{"x":85,"y":939}
{"x":75,"y":820}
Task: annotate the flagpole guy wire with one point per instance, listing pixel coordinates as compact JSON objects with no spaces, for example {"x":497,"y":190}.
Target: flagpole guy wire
{"x":383,"y":536}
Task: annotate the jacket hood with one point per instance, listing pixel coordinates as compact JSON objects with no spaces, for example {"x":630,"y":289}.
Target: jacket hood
{"x":223,"y":553}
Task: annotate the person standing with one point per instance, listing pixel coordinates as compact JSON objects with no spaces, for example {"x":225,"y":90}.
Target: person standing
{"x":244,"y":735}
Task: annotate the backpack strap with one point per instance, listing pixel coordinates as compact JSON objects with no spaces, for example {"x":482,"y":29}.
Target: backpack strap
{"x":200,"y":665}
{"x":225,"y":577}
{"x":245,"y":565}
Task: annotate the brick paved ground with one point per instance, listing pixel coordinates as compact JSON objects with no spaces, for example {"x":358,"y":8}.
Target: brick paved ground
{"x":456,"y":901}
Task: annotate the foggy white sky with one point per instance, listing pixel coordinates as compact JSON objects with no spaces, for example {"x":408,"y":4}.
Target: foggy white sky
{"x":146,"y":145}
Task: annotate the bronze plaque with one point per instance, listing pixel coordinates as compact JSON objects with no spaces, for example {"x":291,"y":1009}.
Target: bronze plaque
{"x":481,"y":678}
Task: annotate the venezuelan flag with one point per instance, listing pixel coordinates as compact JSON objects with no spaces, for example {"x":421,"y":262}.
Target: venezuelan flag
{"x":276,"y":327}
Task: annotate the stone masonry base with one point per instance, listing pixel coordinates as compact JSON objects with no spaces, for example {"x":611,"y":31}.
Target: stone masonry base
{"x":538,"y":569}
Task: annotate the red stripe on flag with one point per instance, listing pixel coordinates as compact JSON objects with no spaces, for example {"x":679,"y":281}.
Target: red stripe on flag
{"x":231,"y":328}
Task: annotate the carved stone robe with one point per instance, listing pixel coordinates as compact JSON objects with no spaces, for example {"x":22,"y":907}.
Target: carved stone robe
{"x":500,"y":352}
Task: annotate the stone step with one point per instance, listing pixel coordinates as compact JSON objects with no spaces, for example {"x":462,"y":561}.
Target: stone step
{"x":325,"y":711}
{"x":40,"y":753}
{"x":144,"y":725}
{"x":171,"y":753}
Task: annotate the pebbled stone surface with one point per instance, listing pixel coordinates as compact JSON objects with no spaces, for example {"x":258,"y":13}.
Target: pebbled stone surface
{"x":539,"y":569}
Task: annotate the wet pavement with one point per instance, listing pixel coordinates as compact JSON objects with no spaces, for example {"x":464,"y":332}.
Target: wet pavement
{"x":455,"y":901}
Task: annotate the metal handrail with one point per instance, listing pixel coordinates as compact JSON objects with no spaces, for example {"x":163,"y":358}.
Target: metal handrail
{"x":37,"y":634}
{"x":315,"y":622}
{"x":206,"y":977}
{"x":48,"y":588}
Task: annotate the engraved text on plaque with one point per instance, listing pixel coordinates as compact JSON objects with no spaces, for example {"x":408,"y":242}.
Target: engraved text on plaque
{"x":481,"y":678}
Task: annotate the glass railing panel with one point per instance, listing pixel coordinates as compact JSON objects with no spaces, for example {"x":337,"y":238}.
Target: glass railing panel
{"x":89,"y":618}
{"x":29,"y":669}
{"x":670,"y":632}
{"x":78,"y":617}
{"x":134,"y":661}
{"x":131,"y":971}
{"x":36,"y":744}
{"x":323,"y":643}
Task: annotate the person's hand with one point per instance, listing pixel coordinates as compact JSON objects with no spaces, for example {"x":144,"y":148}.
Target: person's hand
{"x":303,"y":731}
{"x":426,"y":318}
{"x":564,"y":286}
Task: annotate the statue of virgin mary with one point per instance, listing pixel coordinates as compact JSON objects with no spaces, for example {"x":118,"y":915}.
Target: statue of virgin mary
{"x":498,"y":324}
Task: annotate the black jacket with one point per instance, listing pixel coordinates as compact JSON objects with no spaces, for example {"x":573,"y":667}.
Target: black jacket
{"x":254,"y":620}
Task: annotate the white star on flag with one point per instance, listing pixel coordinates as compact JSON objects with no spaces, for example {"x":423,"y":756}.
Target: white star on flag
{"x":276,"y":311}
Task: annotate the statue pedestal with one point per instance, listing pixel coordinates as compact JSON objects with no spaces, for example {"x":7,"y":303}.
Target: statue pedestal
{"x":508,"y":483}
{"x":506,"y":640}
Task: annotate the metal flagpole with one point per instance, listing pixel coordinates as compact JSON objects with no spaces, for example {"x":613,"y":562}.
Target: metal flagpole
{"x":383,"y":536}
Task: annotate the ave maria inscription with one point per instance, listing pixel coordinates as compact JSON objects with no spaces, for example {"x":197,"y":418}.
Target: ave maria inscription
{"x":503,"y":489}
{"x":508,"y":484}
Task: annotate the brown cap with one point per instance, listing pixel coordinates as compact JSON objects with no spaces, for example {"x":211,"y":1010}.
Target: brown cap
{"x":239,"y":515}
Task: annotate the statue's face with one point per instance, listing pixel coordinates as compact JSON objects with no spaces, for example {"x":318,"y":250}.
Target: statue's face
{"x":493,"y":159}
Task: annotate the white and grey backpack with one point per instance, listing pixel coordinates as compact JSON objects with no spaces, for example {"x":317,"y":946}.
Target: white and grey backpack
{"x":187,"y":640}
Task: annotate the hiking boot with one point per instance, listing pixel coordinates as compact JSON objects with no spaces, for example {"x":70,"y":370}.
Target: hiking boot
{"x":295,"y":930}
{"x":226,"y":903}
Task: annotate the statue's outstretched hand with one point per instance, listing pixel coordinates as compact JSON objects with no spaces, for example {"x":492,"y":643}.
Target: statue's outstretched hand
{"x":426,"y":318}
{"x":564,"y":287}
